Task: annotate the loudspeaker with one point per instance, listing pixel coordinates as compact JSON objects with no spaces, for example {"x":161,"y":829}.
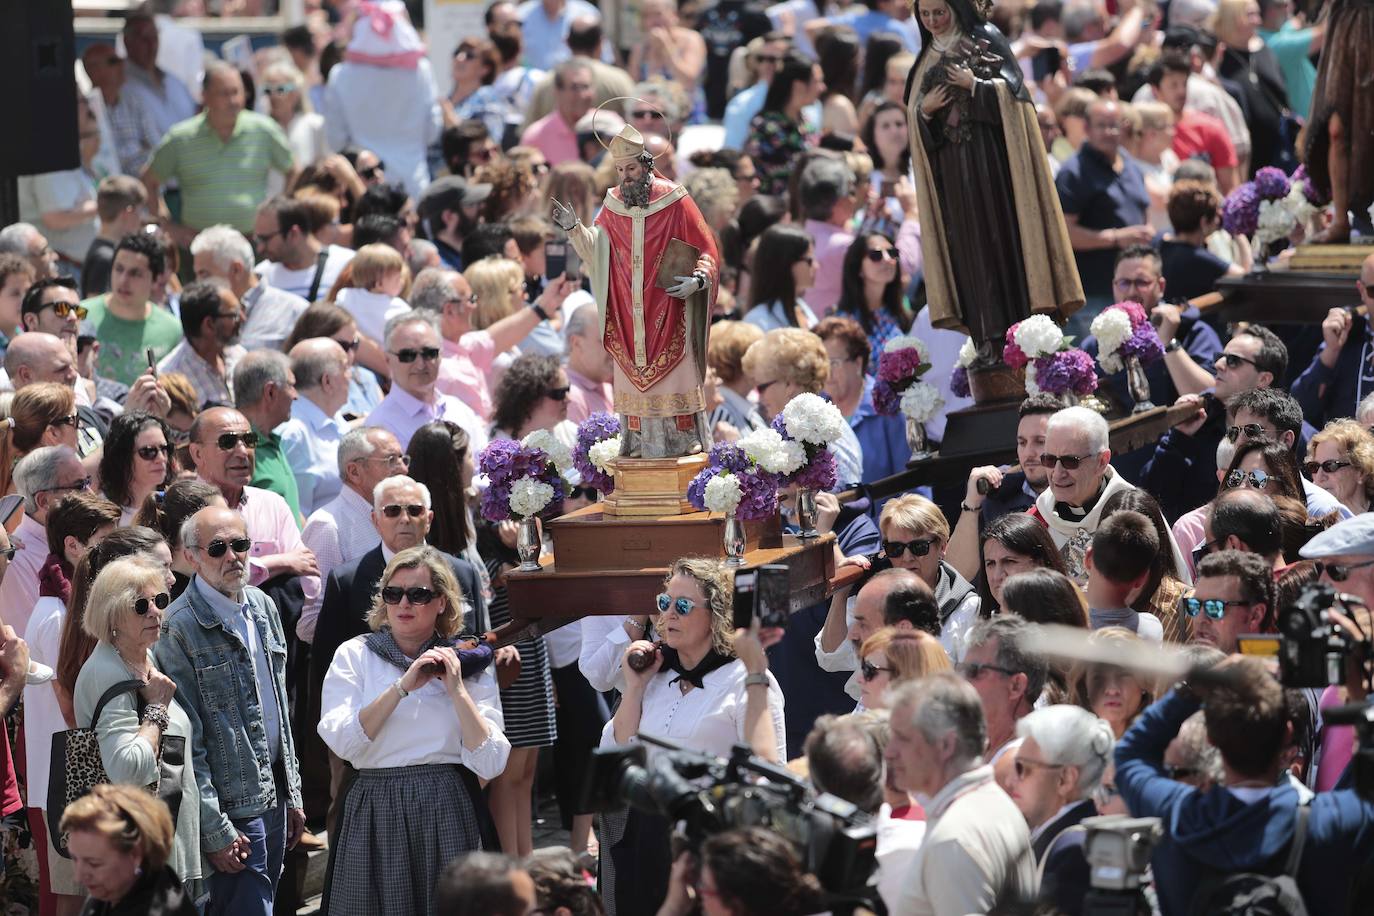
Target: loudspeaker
{"x":37,"y":71}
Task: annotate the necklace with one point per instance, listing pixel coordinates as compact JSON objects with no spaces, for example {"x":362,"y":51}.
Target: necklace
{"x":133,"y":669}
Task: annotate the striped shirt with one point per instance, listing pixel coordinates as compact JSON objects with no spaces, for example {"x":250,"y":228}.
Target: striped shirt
{"x":222,"y":182}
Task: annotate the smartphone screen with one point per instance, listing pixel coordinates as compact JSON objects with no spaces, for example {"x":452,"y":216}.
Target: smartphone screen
{"x":772,"y":601}
{"x":555,"y":258}
{"x":9,"y":508}
{"x":1044,"y":64}
{"x":746,"y":581}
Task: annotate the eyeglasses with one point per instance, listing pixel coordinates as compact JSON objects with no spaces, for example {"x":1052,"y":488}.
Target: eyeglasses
{"x":1215,"y":608}
{"x":559,"y":394}
{"x":895,"y":549}
{"x":1339,"y":572}
{"x":150,"y":452}
{"x":749,"y":177}
{"x":143,"y":605}
{"x":767,"y":59}
{"x":416,"y":594}
{"x":1251,"y":430}
{"x":879,"y":255}
{"x":71,"y":420}
{"x":349,"y":345}
{"x":237,"y":316}
{"x":1178,"y":774}
{"x":279,"y":88}
{"x":228,"y":441}
{"x":971,"y":670}
{"x":391,"y":460}
{"x":63,"y":309}
{"x":371,"y":171}
{"x":870,"y":670}
{"x":1235,"y":361}
{"x":1203,"y":549}
{"x":260,"y":240}
{"x":1070,"y":462}
{"x":83,"y":484}
{"x":470,"y":299}
{"x":1330,"y":466}
{"x":8,"y":552}
{"x":216,"y":548}
{"x":410,"y":354}
{"x":1025,"y":766}
{"x":1255,"y":480}
{"x":1136,"y":283}
{"x":646,"y":114}
{"x":681,"y":606}
{"x":414,"y":510}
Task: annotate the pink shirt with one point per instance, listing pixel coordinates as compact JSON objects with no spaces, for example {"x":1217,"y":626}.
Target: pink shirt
{"x":272,"y":528}
{"x":464,"y":370}
{"x":830,"y":243}
{"x":552,"y":136}
{"x":19,"y":591}
{"x":1189,"y":532}
{"x":1338,"y":744}
{"x":587,"y":397}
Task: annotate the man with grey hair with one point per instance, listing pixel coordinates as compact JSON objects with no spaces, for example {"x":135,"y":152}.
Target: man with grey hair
{"x":25,"y":240}
{"x":1008,"y":679}
{"x":221,"y":251}
{"x":412,"y":343}
{"x":1064,"y":752}
{"x":422,"y":255}
{"x":264,"y":390}
{"x":588,"y":365}
{"x":211,"y":321}
{"x":341,"y":530}
{"x":310,"y":436}
{"x":976,"y":856}
{"x":42,"y":477}
{"x":827,"y":187}
{"x":1078,"y":458}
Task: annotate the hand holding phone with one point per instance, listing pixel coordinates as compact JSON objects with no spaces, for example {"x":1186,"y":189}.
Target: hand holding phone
{"x":152,"y":362}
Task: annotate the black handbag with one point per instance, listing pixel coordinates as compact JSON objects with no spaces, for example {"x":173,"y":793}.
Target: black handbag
{"x":75,"y":766}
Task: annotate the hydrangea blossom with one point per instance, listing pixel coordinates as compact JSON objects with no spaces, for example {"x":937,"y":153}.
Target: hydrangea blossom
{"x":885,"y":398}
{"x":529,"y":497}
{"x":958,"y":383}
{"x":601,"y":453}
{"x":1298,"y":204}
{"x":1271,"y":183}
{"x":1316,"y":195}
{"x":907,"y":342}
{"x":1012,"y":354}
{"x":1143,"y":344}
{"x":1112,"y":328}
{"x":1066,"y":371}
{"x":1240,"y":212}
{"x":509,"y":466}
{"x":1275,"y":222}
{"x":921,"y":402}
{"x":811,"y":418}
{"x":722,"y":493}
{"x":558,"y":453}
{"x":772,"y":452}
{"x":822,"y":472}
{"x":967,"y":354}
{"x":598,"y":441}
{"x":898,"y":366}
{"x":1038,"y":336}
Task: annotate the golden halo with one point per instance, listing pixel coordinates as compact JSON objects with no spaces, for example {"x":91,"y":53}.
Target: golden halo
{"x":627,"y":98}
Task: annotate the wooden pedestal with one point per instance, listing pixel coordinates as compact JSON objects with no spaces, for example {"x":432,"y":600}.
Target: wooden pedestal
{"x":651,"y":487}
{"x":588,"y":539}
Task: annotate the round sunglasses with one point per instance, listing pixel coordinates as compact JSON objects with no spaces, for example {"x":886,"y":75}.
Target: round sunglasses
{"x":681,"y":606}
{"x":143,"y":605}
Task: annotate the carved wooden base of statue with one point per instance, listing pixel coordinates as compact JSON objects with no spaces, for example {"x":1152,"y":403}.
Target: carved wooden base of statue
{"x":651,"y":487}
{"x":988,"y":428}
{"x":1298,"y":290}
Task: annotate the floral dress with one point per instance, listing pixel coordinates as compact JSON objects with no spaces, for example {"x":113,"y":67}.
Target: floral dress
{"x":884,"y":328}
{"x":775,"y":143}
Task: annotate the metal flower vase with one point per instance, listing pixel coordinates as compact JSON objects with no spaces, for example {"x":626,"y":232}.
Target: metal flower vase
{"x":1139,"y":385}
{"x":734,"y":541}
{"x":806,"y":513}
{"x":528,"y":543}
{"x":916,"y":440}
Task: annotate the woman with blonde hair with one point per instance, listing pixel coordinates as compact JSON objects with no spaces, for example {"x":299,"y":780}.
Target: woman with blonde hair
{"x":1256,"y":71}
{"x":1340,"y":460}
{"x":1149,"y":138}
{"x":40,"y":414}
{"x":891,"y":657}
{"x":1110,"y":692}
{"x":288,"y":102}
{"x":725,"y":349}
{"x":120,"y":838}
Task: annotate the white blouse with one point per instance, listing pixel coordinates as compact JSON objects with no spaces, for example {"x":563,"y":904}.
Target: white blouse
{"x":603,"y":645}
{"x":424,"y":728}
{"x":709,"y":719}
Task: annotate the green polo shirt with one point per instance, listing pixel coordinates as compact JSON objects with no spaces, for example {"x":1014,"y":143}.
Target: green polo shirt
{"x":124,"y":344}
{"x":271,"y":471}
{"x":222,"y":182}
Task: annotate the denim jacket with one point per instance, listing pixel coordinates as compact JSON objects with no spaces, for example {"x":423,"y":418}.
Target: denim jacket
{"x":213,"y":673}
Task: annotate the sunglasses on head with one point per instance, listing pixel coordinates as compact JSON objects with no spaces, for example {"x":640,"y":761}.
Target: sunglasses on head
{"x":417,"y":594}
{"x":870,"y":670}
{"x":1255,"y":480}
{"x":394,"y":511}
{"x":559,"y":394}
{"x":1215,"y":608}
{"x":1070,"y":462}
{"x":143,"y":605}
{"x":895,"y":549}
{"x":8,"y":552}
{"x":228,"y":441}
{"x":216,"y":548}
{"x":681,"y":606}
{"x":1251,"y":430}
{"x":410,"y":354}
{"x":1235,"y":361}
{"x":1330,"y":466}
{"x":150,"y":452}
{"x":1338,"y":572}
{"x":879,"y":255}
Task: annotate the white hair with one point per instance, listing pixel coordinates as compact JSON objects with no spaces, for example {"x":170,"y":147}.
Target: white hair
{"x":1071,"y":736}
{"x":414,"y":316}
{"x":1090,"y":426}
{"x":38,"y":471}
{"x":399,"y":480}
{"x":225,"y":245}
{"x":16,"y":238}
{"x":355,"y":444}
{"x":1364,"y":411}
{"x":1226,"y":450}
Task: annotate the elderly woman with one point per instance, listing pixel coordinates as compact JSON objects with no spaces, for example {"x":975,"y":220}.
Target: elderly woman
{"x":136,"y":461}
{"x":707,"y":687}
{"x":1012,"y":544}
{"x":397,"y":706}
{"x":40,"y":414}
{"x":788,"y":362}
{"x":715,"y":193}
{"x":288,"y":102}
{"x":725,"y":350}
{"x":120,"y":838}
{"x":891,"y":657}
{"x":1340,"y":460}
{"x":1115,"y":694}
{"x":882,"y":438}
{"x":142,"y":728}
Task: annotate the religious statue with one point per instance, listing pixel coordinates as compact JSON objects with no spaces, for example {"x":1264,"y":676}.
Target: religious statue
{"x":993,"y":237}
{"x":1340,"y":132}
{"x":655,"y":331}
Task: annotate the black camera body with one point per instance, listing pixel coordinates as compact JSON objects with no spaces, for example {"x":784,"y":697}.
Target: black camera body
{"x":1312,"y":649}
{"x":704,"y":794}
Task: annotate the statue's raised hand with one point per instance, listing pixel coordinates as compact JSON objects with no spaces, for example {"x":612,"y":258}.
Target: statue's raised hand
{"x":563,"y":216}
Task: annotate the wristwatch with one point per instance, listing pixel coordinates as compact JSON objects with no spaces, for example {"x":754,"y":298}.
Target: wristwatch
{"x":756,"y":680}
{"x":539,"y":310}
{"x":156,"y":713}
{"x":1173,"y":346}
{"x":401,"y":690}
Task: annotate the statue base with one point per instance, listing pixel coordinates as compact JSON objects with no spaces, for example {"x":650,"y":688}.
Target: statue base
{"x":651,"y":487}
{"x":996,"y":384}
{"x":1341,"y":259}
{"x":589,"y":540}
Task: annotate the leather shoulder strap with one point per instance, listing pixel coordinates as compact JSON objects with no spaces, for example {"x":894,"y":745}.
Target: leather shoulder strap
{"x":120,"y":688}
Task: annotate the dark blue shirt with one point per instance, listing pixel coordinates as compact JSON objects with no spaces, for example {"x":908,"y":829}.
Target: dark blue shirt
{"x":1189,"y":270}
{"x":883,"y":438}
{"x":1327,"y":394}
{"x":1092,"y":190}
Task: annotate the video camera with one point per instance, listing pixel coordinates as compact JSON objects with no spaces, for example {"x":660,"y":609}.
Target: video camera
{"x":705,"y":794}
{"x":1311,"y":648}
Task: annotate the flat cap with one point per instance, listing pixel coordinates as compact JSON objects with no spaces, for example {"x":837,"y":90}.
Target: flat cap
{"x":1354,"y":536}
{"x":450,"y":193}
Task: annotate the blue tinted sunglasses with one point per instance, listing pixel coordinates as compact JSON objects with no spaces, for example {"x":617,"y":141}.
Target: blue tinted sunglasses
{"x":1215,"y":607}
{"x":682,"y":606}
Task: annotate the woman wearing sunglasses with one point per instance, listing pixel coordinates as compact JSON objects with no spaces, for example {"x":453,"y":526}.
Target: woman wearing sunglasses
{"x":124,"y":615}
{"x":533,"y":395}
{"x":398,"y":706}
{"x":40,"y":414}
{"x":891,"y":657}
{"x":1340,"y":460}
{"x":1109,"y":692}
{"x":872,"y":292}
{"x":1266,"y":466}
{"x":707,"y":687}
{"x":136,"y":461}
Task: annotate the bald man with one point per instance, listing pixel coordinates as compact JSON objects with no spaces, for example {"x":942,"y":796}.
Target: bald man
{"x":1332,"y":384}
{"x":225,"y":649}
{"x":310,"y":438}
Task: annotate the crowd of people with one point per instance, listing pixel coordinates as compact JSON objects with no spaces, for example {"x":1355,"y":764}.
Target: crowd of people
{"x":254,"y":344}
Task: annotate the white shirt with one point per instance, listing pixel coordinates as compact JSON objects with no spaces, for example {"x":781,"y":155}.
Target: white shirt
{"x":42,"y":714}
{"x":297,"y":282}
{"x":849,"y":457}
{"x":898,"y":841}
{"x":842,"y":659}
{"x":603,"y":644}
{"x":310,"y":442}
{"x":564,"y":644}
{"x":709,"y":719}
{"x":773,"y":316}
{"x":371,"y":310}
{"x":423,"y":728}
{"x":390,"y":110}
{"x":402,"y":413}
{"x":54,"y":191}
{"x":338,"y":533}
{"x":272,"y":314}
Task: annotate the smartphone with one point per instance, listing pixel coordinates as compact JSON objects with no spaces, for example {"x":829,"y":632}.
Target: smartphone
{"x":555,"y":258}
{"x":762,"y":593}
{"x":152,"y":362}
{"x":574,"y":268}
{"x":1045,"y":63}
{"x":9,"y":507}
{"x":888,"y":188}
